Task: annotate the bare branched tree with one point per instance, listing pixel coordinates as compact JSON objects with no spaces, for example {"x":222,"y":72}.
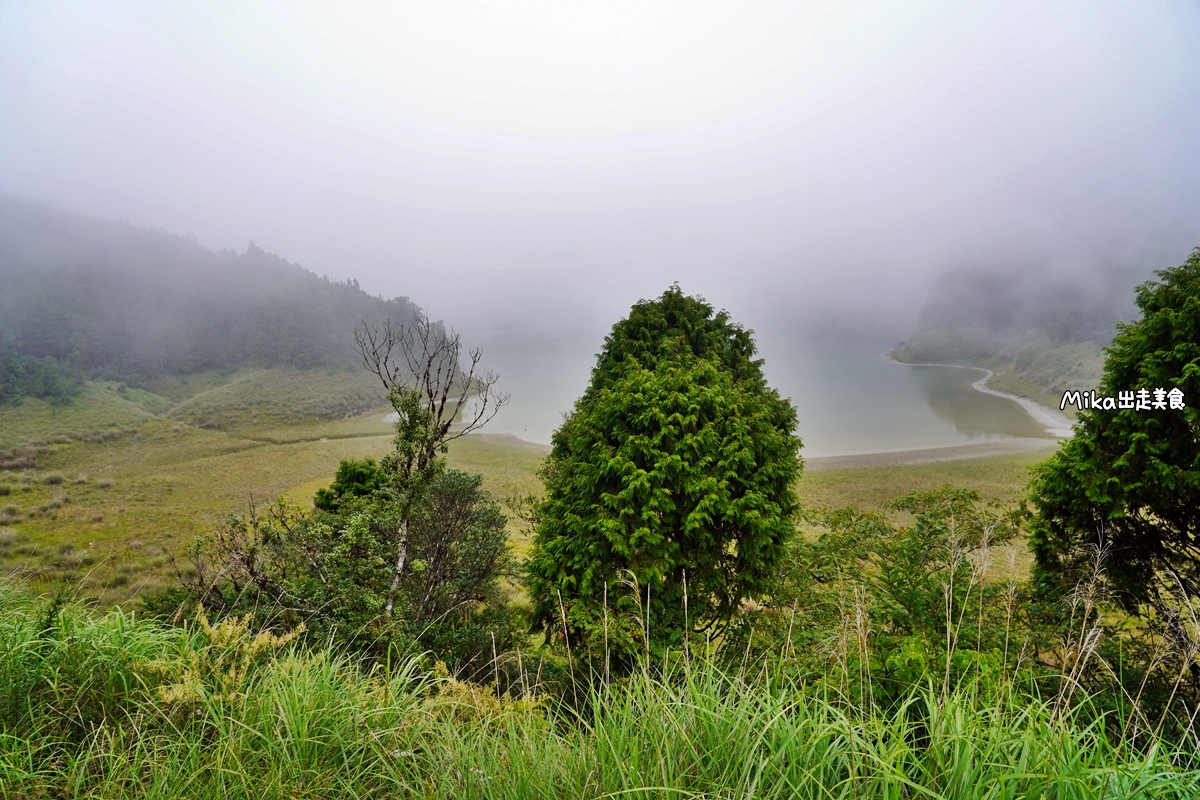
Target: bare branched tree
{"x":438,"y":395}
{"x":421,"y":358}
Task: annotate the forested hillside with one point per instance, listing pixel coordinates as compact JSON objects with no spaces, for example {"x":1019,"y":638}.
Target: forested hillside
{"x":1042,"y":332}
{"x":81,"y":297}
{"x":987,"y":307}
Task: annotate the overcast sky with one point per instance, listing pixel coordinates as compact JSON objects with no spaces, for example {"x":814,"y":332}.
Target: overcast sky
{"x":538,"y":166}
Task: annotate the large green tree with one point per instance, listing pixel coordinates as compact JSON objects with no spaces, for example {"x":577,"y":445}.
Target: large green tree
{"x":677,"y":466}
{"x":1129,"y":480}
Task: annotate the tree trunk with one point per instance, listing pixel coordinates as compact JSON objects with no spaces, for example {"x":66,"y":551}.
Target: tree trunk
{"x":391,"y":597}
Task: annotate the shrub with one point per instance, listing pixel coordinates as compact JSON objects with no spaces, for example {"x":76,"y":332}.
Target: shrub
{"x":52,"y":478}
{"x":334,"y":571}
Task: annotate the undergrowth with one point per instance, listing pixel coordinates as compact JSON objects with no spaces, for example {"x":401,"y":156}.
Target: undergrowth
{"x":113,"y":705}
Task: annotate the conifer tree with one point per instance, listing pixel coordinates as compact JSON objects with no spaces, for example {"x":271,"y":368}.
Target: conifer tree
{"x":1129,"y":480}
{"x":676,"y":469}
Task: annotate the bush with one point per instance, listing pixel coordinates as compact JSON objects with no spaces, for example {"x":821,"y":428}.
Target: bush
{"x":333,"y":572}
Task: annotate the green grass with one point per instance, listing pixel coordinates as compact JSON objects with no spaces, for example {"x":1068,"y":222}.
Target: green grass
{"x":999,"y":478}
{"x":266,"y":398}
{"x":178,"y":388}
{"x":137,"y":487}
{"x":100,"y":411}
{"x":114,"y":706}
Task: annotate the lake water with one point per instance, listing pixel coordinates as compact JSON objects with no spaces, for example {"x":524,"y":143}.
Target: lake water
{"x":849,"y":397}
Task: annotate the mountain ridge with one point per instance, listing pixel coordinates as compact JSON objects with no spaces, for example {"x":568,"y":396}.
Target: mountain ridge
{"x":95,"y":299}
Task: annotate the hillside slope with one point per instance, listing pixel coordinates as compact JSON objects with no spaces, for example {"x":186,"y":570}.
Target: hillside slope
{"x":108,"y":300}
{"x":1042,"y":334}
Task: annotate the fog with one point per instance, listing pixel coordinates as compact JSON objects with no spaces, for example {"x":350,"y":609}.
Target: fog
{"x":527,"y":170}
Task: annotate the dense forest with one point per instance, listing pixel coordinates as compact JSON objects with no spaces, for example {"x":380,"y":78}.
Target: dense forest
{"x":85,"y":298}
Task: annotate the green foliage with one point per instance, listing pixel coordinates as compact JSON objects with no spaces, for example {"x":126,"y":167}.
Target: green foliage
{"x":399,"y":553}
{"x":869,"y":603}
{"x":690,"y":325}
{"x":222,"y":711}
{"x":354,"y":479}
{"x":24,"y":376}
{"x":1128,"y":483}
{"x":331,"y":569}
{"x":677,"y":465}
{"x":459,"y":550}
{"x":64,"y":674}
{"x":419,"y":440}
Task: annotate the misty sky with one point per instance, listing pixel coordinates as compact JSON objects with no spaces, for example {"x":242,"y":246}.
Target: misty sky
{"x":533,"y":168}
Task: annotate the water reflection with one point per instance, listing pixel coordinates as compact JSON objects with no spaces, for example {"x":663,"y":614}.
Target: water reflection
{"x":849,"y":397}
{"x":951,"y":397}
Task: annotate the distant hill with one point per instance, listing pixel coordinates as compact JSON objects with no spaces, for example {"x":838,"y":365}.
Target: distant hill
{"x":85,"y":298}
{"x":986,"y":308}
{"x":1042,"y":332}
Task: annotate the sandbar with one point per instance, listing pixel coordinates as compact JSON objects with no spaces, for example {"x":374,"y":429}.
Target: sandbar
{"x":929,"y":455}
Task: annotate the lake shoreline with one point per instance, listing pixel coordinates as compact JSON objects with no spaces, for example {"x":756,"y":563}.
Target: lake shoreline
{"x":1056,"y":426}
{"x":928,"y":455}
{"x":1054,"y":422}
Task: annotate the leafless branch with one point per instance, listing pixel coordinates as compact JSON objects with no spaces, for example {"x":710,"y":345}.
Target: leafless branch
{"x":420,"y":356}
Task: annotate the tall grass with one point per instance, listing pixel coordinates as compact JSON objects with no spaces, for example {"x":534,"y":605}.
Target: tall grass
{"x":115,"y":706}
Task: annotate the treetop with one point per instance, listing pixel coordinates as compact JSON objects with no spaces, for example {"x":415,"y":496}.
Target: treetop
{"x":676,"y":321}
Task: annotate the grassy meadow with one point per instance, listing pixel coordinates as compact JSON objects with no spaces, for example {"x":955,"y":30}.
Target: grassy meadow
{"x":105,"y":702}
{"x":96,"y":493}
{"x":114,"y":706}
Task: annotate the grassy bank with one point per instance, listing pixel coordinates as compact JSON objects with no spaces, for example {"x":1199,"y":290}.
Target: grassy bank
{"x":115,"y":706}
{"x":1031,"y":367}
{"x":96,"y":494}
